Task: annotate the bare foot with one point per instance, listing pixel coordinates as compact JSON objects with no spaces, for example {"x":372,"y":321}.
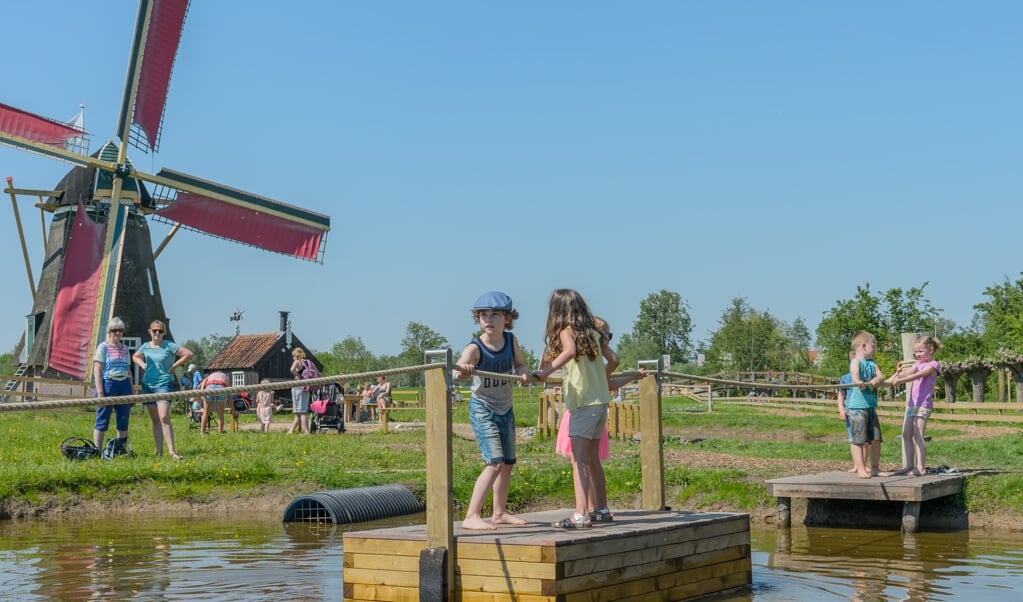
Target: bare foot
{"x":875,"y":472}
{"x":863,"y":475}
{"x":899,"y":472}
{"x":477,"y":524}
{"x":507,"y":519}
{"x":853,"y":469}
{"x":916,"y":472}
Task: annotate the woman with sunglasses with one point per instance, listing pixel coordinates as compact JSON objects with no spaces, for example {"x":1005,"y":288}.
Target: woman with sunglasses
{"x":160,"y":359}
{"x":111,"y":367}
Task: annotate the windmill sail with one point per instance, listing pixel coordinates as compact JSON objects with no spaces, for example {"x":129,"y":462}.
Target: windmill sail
{"x":75,"y":304}
{"x":150,"y":65}
{"x":243,"y":217}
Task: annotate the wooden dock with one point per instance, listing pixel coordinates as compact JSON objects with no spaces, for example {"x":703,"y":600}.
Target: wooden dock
{"x":642,"y":555}
{"x":912,"y":491}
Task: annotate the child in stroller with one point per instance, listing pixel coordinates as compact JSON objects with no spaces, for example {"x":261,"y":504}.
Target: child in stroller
{"x":327,"y":414}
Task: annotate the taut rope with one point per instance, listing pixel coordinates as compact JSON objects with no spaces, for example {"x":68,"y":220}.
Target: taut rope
{"x":176,"y":395}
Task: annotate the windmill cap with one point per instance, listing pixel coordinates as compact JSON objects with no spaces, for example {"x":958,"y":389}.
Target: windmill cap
{"x":493,"y":300}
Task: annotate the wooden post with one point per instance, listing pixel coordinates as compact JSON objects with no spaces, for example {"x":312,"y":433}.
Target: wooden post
{"x":783,"y":515}
{"x":651,"y":451}
{"x":437,"y":561}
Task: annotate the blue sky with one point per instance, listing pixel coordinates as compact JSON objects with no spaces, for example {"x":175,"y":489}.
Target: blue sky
{"x":784,"y":152}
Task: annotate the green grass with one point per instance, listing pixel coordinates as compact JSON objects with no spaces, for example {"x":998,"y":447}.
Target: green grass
{"x":33,"y":471}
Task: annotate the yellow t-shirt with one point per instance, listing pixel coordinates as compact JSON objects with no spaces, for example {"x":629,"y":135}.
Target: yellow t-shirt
{"x":584,"y":380}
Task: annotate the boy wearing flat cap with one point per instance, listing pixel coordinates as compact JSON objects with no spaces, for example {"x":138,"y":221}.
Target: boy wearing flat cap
{"x":490,"y":405}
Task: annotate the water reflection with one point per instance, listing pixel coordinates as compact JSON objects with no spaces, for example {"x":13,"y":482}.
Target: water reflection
{"x":255,"y":558}
{"x":247,"y":558}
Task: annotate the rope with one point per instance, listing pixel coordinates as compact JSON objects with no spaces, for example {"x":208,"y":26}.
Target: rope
{"x":746,"y":383}
{"x":176,"y":395}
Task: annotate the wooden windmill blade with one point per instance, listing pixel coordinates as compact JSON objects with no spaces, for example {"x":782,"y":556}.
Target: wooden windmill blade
{"x":74,"y":288}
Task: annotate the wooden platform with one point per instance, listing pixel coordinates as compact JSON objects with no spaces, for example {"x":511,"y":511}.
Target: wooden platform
{"x":912,"y":491}
{"x":642,"y":555}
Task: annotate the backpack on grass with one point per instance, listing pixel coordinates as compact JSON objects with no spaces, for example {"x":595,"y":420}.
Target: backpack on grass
{"x":309,"y":371}
{"x":76,"y":448}
{"x":118,"y":446}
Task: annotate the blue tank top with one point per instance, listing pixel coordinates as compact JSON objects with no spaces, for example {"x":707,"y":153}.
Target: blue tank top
{"x":496,"y":394}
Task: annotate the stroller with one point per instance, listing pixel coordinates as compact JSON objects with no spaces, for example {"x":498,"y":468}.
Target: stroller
{"x":194,"y":412}
{"x":326,"y":413}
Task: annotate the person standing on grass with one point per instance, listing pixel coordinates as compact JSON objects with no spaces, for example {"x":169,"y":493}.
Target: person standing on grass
{"x":299,"y":396}
{"x":861,"y":406}
{"x":574,"y":343}
{"x":924,"y":376}
{"x":490,"y":405}
{"x":215,"y":380}
{"x":111,"y":367}
{"x":265,"y":407}
{"x":160,"y":359}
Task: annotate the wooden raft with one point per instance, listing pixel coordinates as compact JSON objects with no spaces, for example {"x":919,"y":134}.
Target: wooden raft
{"x":642,"y":555}
{"x":912,"y":491}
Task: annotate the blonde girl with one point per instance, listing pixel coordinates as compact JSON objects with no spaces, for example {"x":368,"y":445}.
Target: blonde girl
{"x":924,"y":375}
{"x":265,"y":407}
{"x":576,"y":345}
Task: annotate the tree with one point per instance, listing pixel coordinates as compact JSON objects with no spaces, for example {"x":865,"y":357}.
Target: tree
{"x":886,"y":318}
{"x":631,"y":349}
{"x":352,"y":356}
{"x":748,"y":340}
{"x":419,"y":338}
{"x":664,"y":326}
{"x":206,"y":348}
{"x":1002,"y":315}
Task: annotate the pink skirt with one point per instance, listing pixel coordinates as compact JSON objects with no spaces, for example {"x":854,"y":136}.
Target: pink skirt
{"x":563,"y":444}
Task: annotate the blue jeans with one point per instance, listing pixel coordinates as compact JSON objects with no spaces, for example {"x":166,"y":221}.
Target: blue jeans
{"x":495,"y":433}
{"x":114,"y":388}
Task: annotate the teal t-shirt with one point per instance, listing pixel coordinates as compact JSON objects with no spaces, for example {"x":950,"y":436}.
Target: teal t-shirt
{"x":158,"y":363}
{"x":861,"y":399}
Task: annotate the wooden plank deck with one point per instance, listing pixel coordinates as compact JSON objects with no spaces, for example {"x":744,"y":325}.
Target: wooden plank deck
{"x":642,"y":555}
{"x":910,"y":490}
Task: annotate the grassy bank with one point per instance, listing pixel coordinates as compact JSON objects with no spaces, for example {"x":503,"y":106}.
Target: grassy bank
{"x":713,"y":461}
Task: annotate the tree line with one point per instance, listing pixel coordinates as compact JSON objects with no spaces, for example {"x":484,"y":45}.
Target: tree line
{"x":747,"y":339}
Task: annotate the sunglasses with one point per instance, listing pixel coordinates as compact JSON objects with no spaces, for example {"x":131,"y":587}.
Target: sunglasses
{"x":116,"y":330}
{"x":156,"y":331}
{"x":610,"y":335}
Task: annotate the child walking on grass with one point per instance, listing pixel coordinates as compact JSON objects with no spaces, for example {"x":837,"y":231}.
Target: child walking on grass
{"x":924,"y":376}
{"x":490,"y":405}
{"x":574,"y":343}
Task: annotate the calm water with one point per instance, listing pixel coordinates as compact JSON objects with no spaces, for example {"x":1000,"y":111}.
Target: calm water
{"x":259,"y":558}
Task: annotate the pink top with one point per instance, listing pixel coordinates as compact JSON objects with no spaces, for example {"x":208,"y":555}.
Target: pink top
{"x":922,"y":391}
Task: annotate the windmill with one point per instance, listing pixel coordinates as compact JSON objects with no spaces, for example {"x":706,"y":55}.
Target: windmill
{"x":99,"y":258}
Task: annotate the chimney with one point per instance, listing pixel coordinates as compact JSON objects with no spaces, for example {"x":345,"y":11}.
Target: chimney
{"x":284,"y":320}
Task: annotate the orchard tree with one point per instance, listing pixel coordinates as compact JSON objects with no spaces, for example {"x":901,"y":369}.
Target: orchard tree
{"x":663,"y":326}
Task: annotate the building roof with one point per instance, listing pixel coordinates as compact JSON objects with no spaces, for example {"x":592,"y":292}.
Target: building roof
{"x":245,"y":351}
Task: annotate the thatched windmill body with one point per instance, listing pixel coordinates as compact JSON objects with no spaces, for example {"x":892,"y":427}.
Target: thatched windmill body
{"x":99,"y":258}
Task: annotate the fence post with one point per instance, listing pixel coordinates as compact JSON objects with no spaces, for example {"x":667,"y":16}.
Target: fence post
{"x":437,"y":561}
{"x":651,"y":451}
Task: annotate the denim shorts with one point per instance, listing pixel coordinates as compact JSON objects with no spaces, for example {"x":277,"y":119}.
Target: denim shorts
{"x":864,"y":426}
{"x":495,"y":433}
{"x":156,"y":389}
